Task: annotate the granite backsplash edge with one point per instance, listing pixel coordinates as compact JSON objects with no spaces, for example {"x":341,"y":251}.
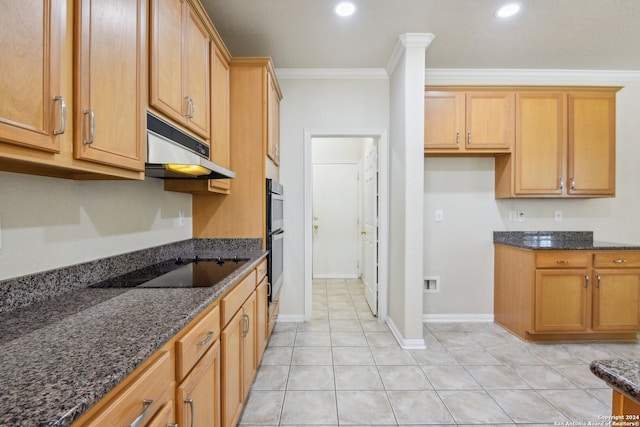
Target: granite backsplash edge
{"x":19,"y":292}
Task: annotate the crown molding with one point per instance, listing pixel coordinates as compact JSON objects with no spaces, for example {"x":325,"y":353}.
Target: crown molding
{"x":448,"y":76}
{"x":331,"y":73}
{"x":407,"y":41}
{"x":441,"y":76}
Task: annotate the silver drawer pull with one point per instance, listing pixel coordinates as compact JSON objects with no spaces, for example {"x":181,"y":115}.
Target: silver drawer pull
{"x":562,"y":261}
{"x":209,"y":337}
{"x":148,"y":403}
{"x":598,"y":281}
{"x":619,"y":261}
{"x":586,"y":280}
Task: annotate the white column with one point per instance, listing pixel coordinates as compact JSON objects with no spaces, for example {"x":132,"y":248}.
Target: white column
{"x":406,"y":183}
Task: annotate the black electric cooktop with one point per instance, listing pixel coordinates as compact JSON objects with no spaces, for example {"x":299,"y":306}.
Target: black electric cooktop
{"x":177,"y":273}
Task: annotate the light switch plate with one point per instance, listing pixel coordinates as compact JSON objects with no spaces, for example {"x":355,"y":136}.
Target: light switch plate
{"x":439,"y":215}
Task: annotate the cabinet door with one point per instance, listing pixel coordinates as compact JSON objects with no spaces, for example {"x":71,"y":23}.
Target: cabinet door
{"x":220,"y":109}
{"x":262,"y":318}
{"x":273,"y":121}
{"x":166,"y":58}
{"x":249,"y":352}
{"x":198,"y":396}
{"x":196,"y":61}
{"x":591,"y":146}
{"x":616,"y":299}
{"x":110,"y":87}
{"x":540,"y":141}
{"x":489,"y":120}
{"x":232,"y":397}
{"x":30,"y":112}
{"x":561,"y":300}
{"x":444,"y":119}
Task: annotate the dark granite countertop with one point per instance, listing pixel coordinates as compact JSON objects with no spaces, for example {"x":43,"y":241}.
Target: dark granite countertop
{"x":62,"y":355}
{"x":556,"y":240}
{"x":621,"y":375}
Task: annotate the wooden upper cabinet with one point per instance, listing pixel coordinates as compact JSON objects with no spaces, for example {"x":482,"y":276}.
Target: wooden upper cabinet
{"x":110,"y":82}
{"x":565,"y":145}
{"x":540,"y":143}
{"x":477,"y":121}
{"x":591,"y":144}
{"x":179,"y":86}
{"x":273,"y":120}
{"x":32,"y":106}
{"x":220,"y":113}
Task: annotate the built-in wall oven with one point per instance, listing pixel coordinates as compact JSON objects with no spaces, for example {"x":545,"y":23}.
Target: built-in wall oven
{"x":275,"y":237}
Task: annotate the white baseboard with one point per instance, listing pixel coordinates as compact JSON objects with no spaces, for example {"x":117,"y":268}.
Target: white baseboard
{"x":456,"y":318}
{"x":290,"y":318}
{"x":407,"y":344}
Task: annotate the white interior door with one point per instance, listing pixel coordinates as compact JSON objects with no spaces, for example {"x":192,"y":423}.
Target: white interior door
{"x":336,"y":241}
{"x":369,"y":231}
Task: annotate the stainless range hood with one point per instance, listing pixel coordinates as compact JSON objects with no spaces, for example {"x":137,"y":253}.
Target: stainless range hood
{"x":174,"y":154}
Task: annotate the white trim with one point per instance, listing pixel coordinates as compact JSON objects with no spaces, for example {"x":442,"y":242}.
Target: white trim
{"x":382,"y":138}
{"x":456,"y":318}
{"x":330,"y":73}
{"x":413,"y":344}
{"x":290,"y":318}
{"x":437,"y":76}
{"x":408,"y":40}
{"x":441,"y":76}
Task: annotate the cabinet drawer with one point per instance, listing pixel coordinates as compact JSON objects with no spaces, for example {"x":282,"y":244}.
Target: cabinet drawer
{"x":148,"y":392}
{"x":195,"y":343}
{"x":261,"y":269}
{"x":564,"y":259}
{"x":234,"y":300}
{"x":616,"y":259}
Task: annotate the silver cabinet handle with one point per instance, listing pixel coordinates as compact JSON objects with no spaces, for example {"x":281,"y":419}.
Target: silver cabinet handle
{"x":619,"y":261}
{"x":598,"y":281}
{"x":188,"y":112}
{"x":586,"y":280}
{"x":562,"y":261}
{"x":193,"y":108}
{"x":92,"y":127}
{"x":148,"y":403}
{"x":457,"y":137}
{"x":561,"y":184}
{"x":193,"y":410}
{"x":63,"y":115}
{"x":572,"y":184}
{"x":468,"y":137}
{"x":208,"y":338}
{"x":245,"y":318}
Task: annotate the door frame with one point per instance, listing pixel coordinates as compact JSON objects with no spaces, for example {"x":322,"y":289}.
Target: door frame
{"x":382,"y":142}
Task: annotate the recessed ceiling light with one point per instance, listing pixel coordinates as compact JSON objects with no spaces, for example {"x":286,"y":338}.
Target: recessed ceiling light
{"x":508,"y":10}
{"x":345,"y":9}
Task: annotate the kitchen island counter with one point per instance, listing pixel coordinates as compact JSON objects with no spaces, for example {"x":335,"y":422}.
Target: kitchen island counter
{"x":621,"y":375}
{"x":61,"y":356}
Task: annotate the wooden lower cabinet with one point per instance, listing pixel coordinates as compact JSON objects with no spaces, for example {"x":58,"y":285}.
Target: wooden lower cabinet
{"x":262,"y":317}
{"x":561,"y":300}
{"x":623,"y":406}
{"x":198,"y":396}
{"x":239,"y":360}
{"x":164,"y":417}
{"x":545,"y":295}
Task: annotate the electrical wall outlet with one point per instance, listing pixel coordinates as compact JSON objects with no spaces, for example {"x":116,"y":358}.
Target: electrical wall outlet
{"x":513,"y":216}
{"x":431,"y":285}
{"x":557,"y":216}
{"x":520,"y":216}
{"x":180,"y":218}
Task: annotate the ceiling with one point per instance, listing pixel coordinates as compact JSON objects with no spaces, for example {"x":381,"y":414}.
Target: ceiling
{"x":546,"y":34}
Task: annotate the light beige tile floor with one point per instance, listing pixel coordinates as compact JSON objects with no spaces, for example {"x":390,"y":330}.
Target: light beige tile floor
{"x":345,"y":368}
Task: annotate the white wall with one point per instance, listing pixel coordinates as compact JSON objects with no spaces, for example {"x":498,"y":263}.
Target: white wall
{"x":460,"y":248}
{"x":48,"y":223}
{"x":331,"y":104}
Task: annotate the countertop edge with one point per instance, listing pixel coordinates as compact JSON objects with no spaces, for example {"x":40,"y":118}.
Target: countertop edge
{"x":618,"y":375}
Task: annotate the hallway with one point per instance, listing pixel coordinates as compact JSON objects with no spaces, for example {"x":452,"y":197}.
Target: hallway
{"x":345,"y":368}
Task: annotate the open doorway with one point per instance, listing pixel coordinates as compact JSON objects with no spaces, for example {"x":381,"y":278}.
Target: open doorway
{"x":346,"y":213}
